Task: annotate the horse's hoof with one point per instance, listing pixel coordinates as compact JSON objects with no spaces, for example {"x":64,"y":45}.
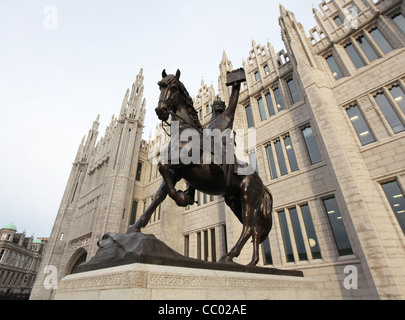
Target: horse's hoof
{"x":252,"y":263}
{"x":226,"y":259}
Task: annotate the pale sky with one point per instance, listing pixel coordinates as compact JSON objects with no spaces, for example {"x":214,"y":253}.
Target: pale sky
{"x":54,"y":82}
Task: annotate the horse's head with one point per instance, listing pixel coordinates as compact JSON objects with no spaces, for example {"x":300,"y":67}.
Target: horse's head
{"x":169,"y":95}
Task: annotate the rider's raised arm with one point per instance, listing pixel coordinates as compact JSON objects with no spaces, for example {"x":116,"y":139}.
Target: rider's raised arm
{"x":233,"y":102}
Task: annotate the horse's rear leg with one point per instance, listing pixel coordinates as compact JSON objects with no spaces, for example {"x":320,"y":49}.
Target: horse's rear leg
{"x":255,"y":256}
{"x":248,"y":196}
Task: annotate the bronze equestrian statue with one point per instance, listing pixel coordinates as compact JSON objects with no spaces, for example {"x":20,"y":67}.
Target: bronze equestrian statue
{"x":245,"y":194}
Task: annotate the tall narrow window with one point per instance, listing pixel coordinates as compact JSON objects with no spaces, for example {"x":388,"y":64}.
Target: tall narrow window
{"x":389,"y":113}
{"x":299,"y":240}
{"x":311,"y":234}
{"x":261,"y":109}
{"x":187,"y":245}
{"x":144,"y":207}
{"x":286,"y":237}
{"x":266,"y":69}
{"x":253,"y":160}
{"x":293,"y":91}
{"x":291,"y":154}
{"x":280,"y":157}
{"x":205,"y":245}
{"x":279,"y":99}
{"x":338,"y":228}
{"x":133,"y":212}
{"x":249,"y":116}
{"x":213,"y":246}
{"x":225,"y":239}
{"x":267,"y":258}
{"x":77,"y":184}
{"x":311,"y":145}
{"x":382,"y":42}
{"x":270,"y":105}
{"x":354,"y":56}
{"x":159,"y":210}
{"x":367,"y":48}
{"x":397,"y":201}
{"x":138,"y":171}
{"x":337,"y":73}
{"x":199,"y":245}
{"x":257,"y":76}
{"x":360,"y":125}
{"x":399,"y":96}
{"x":126,"y":149}
{"x":399,"y":19}
{"x":272,"y":164}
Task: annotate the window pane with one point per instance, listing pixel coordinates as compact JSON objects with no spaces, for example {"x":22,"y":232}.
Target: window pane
{"x":133,"y":212}
{"x":213,"y":246}
{"x":382,"y":42}
{"x":389,"y":113}
{"x":267,"y":258}
{"x":312,"y":238}
{"x":400,"y":21}
{"x":291,"y":154}
{"x":266,"y":69}
{"x":334,"y":67}
{"x":272,"y":164}
{"x":249,"y":116}
{"x":199,"y":245}
{"x":338,"y":228}
{"x":338,"y":21}
{"x":360,"y":125}
{"x":279,"y":99}
{"x":261,"y":109}
{"x":186,"y":246}
{"x":270,"y":105}
{"x":257,"y":76}
{"x":139,"y":171}
{"x":299,"y":240}
{"x":312,"y":146}
{"x":399,"y":97}
{"x":354,"y":56}
{"x":280,"y":157}
{"x":397,"y":200}
{"x":293,"y":91}
{"x":286,"y":237}
{"x":253,"y":160}
{"x":367,"y":49}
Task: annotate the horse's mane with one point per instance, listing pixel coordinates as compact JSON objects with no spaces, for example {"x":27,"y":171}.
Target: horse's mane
{"x":189,"y":101}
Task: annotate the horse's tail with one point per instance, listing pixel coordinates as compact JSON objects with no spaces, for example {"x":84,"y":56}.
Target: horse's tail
{"x":266,"y":214}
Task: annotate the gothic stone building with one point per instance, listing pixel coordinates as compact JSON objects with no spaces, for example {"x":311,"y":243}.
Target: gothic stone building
{"x":329,"y":118}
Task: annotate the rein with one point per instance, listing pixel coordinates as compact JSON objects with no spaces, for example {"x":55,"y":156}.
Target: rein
{"x":181,"y":118}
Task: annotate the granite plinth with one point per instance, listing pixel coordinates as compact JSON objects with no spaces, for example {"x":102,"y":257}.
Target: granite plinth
{"x":159,"y":282}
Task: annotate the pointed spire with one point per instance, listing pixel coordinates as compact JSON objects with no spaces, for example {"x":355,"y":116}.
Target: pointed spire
{"x":253,"y":43}
{"x":124,"y":106}
{"x":283,"y":10}
{"x":224,"y":56}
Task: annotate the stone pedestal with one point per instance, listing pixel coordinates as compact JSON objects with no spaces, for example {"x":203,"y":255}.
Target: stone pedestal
{"x":156,"y":282}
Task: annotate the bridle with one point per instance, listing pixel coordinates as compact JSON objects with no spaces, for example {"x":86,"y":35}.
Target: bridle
{"x":169,"y":103}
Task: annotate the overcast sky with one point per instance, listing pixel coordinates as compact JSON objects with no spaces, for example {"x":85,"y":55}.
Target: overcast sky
{"x":63,"y":62}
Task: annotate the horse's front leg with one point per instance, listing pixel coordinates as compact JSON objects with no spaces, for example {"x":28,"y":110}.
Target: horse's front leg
{"x":165,"y":172}
{"x":159,"y":197}
{"x":181,"y":198}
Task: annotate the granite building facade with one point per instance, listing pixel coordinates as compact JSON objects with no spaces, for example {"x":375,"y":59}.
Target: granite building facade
{"x":328,"y":114}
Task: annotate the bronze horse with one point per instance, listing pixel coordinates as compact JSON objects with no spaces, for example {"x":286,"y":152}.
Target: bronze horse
{"x":246,"y":195}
